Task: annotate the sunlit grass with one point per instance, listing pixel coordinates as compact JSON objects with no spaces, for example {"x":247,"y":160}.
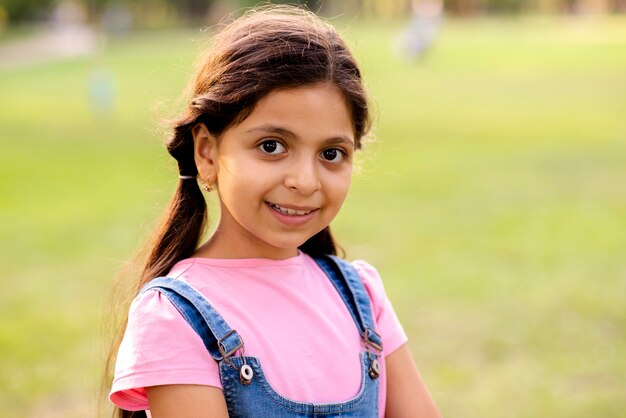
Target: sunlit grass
{"x":492,"y":202}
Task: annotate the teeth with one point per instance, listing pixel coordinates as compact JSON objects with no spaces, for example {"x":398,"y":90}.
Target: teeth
{"x":290,"y":212}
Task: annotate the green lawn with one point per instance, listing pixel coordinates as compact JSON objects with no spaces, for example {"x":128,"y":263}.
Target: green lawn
{"x":493,"y":202}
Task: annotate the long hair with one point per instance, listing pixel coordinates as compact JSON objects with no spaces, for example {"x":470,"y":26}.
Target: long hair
{"x":275,"y":47}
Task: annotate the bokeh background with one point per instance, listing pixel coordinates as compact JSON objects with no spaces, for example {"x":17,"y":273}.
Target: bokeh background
{"x":492,"y":197}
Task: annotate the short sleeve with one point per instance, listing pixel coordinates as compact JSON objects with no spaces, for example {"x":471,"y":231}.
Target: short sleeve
{"x":387,"y":324}
{"x":159,"y":348}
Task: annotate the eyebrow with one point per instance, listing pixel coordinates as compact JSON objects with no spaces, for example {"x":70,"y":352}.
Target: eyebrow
{"x":275,"y":129}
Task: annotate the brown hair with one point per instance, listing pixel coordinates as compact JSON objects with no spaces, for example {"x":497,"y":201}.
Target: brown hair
{"x":275,"y":47}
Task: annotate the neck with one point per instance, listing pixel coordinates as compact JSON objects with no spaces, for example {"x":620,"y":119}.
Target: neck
{"x":219,"y":247}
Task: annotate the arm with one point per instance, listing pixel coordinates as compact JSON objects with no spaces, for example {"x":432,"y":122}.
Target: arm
{"x":407,"y":394}
{"x":186,"y":401}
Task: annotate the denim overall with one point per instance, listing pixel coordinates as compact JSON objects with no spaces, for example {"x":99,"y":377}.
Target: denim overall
{"x":246,"y":390}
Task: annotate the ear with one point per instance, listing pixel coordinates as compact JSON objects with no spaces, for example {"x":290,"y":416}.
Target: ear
{"x":205,"y":152}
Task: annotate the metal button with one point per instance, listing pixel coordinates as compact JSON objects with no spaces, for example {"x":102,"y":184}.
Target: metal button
{"x":374,"y":368}
{"x":246,"y":374}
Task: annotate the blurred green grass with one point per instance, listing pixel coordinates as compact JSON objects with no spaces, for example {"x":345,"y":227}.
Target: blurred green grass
{"x":492,"y":201}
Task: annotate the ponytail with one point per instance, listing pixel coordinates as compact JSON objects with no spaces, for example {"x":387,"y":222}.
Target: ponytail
{"x":179,"y":233}
{"x":176,"y":237}
{"x":183,"y":224}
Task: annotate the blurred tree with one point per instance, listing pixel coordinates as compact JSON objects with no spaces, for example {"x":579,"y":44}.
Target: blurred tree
{"x":504,"y":6}
{"x":23,"y":10}
{"x":462,"y":7}
{"x":194,"y":10}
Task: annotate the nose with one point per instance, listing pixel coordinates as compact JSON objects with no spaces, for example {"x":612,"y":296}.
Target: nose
{"x":303,"y":177}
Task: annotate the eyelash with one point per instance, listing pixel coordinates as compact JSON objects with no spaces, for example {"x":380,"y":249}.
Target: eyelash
{"x":278,"y":144}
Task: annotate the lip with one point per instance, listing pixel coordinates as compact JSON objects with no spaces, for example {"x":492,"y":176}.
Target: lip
{"x":293,"y":220}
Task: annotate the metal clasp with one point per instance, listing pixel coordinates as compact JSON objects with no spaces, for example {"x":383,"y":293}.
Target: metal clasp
{"x":220,"y":346}
{"x":370,"y":343}
{"x":245,"y":372}
{"x":374,"y":366}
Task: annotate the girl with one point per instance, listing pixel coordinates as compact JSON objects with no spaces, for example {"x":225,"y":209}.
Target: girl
{"x":263,"y":319}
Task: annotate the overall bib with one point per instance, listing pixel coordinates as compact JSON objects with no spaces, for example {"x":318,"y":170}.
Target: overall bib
{"x":246,"y":390}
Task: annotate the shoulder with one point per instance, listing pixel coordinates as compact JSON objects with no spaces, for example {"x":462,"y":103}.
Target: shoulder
{"x":158,"y":348}
{"x":387,"y":323}
{"x":371,"y":278}
{"x":151,"y":319}
{"x":367,"y":272}
{"x":151,"y":309}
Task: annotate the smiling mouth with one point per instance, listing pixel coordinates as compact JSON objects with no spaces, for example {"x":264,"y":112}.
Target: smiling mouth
{"x":289,"y":211}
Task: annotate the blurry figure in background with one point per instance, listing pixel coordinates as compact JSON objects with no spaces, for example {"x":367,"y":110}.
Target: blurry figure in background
{"x":65,"y":35}
{"x":70,"y":34}
{"x":415,"y":40}
{"x":101,"y":92}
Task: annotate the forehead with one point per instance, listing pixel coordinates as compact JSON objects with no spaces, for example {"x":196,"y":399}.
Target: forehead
{"x":318,"y":110}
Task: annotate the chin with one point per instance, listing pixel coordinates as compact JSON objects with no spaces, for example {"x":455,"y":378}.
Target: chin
{"x":288,"y":244}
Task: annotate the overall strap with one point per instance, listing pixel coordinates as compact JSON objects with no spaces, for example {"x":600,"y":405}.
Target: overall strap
{"x":219,"y":339}
{"x":348,"y":283}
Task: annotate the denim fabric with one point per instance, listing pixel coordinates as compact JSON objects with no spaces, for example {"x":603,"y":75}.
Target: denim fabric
{"x":204,"y":320}
{"x":351,"y":289}
{"x":257,"y":398}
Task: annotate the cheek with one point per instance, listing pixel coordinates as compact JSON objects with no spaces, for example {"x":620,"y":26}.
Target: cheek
{"x":339,"y":186}
{"x":244,"y":179}
{"x":235,"y":173}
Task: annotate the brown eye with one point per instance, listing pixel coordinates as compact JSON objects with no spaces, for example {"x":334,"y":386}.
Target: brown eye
{"x":272,"y":147}
{"x":333,"y":155}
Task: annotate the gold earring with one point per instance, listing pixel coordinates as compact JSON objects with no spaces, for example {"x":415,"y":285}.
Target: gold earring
{"x":208,"y":187}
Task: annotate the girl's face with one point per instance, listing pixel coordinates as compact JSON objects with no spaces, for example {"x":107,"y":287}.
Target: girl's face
{"x":282,"y":174}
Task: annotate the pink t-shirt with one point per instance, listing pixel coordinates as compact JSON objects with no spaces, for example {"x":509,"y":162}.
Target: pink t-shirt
{"x":288,"y":314}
